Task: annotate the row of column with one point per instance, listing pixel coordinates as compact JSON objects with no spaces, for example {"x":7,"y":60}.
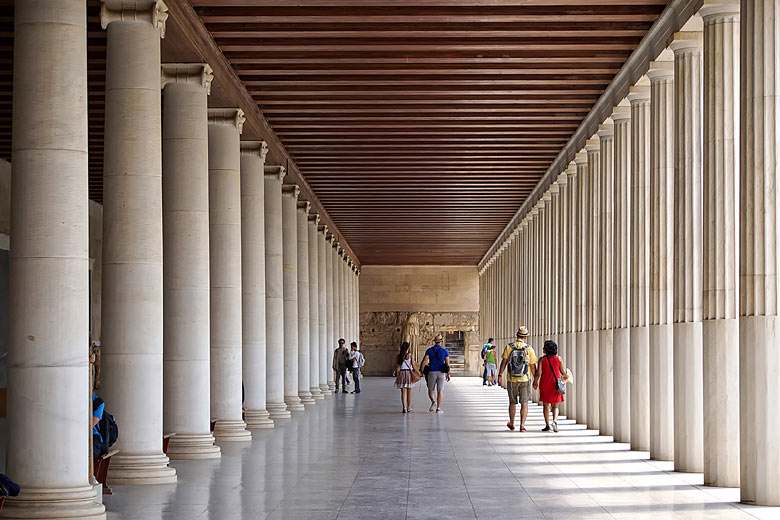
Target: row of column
{"x":653,"y":258}
{"x":223,"y":295}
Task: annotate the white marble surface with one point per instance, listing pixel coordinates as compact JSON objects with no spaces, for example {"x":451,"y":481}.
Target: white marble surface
{"x":358,"y":457}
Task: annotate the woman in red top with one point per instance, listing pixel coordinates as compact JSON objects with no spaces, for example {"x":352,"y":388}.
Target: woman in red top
{"x":548,"y":370}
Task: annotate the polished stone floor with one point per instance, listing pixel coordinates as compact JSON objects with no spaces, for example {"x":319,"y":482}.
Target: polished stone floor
{"x":358,"y":457}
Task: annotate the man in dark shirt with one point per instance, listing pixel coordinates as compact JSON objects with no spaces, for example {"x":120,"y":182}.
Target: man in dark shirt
{"x":340,"y":360}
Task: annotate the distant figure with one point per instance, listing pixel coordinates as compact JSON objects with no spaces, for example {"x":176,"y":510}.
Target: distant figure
{"x":548,"y":373}
{"x":438,"y":360}
{"x":406,"y":375}
{"x":356,"y":361}
{"x":98,"y":446}
{"x":520,"y":358}
{"x":485,"y":348}
{"x":340,"y":359}
{"x":490,"y":365}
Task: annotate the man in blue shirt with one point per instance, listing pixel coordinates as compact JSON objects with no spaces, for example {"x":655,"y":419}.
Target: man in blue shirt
{"x":438,"y":360}
{"x":97,"y":413}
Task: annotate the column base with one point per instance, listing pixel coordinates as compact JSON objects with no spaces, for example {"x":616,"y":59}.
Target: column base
{"x":331,"y":386}
{"x":306,"y":398}
{"x":293,"y":403}
{"x":325,"y":389}
{"x":257,"y":419}
{"x":193,"y":446}
{"x":141,"y":469}
{"x":55,"y":504}
{"x":231,"y":431}
{"x":278,"y":411}
{"x":316,"y":393}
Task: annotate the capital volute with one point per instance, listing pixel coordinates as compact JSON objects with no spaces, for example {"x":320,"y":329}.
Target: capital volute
{"x":314,"y":218}
{"x":322,"y":228}
{"x":259,"y":148}
{"x":304,"y":206}
{"x":275,"y":172}
{"x":335,"y":243}
{"x":227,"y":116}
{"x":199,"y":74}
{"x":155,"y":14}
{"x":291,"y":190}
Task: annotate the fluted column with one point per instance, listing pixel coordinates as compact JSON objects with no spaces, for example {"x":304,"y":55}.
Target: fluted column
{"x":639,"y":248}
{"x":253,"y":311}
{"x":592,"y":217}
{"x":312,"y":243}
{"x":304,"y":344}
{"x":759,"y":298}
{"x":331,"y":330}
{"x":562,"y":275}
{"x":661,"y":76}
{"x":554,"y":268}
{"x":186,"y":320}
{"x":132,"y":350}
{"x":322,"y":304}
{"x":583,"y":183}
{"x":621,"y":269}
{"x":720,"y":328}
{"x":290,"y":194}
{"x":605,"y":244}
{"x":572,"y":260}
{"x":225,"y":127}
{"x":48,"y":361}
{"x":336,"y":261}
{"x":687,"y":328}
{"x":274,"y":295}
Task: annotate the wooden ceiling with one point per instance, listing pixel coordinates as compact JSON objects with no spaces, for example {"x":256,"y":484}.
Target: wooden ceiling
{"x":420,"y":125}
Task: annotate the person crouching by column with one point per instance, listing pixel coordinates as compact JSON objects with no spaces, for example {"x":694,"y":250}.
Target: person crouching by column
{"x":340,"y":359}
{"x":438,"y":360}
{"x":520,"y":360}
{"x":356,"y":361}
{"x":550,"y":382}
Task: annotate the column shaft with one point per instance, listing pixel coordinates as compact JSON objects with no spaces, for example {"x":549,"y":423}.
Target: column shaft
{"x":322,"y":304}
{"x":604,"y":244}
{"x":304,"y":311}
{"x":572,"y":296}
{"x":290,"y":284}
{"x":312,"y":243}
{"x":330,"y":297}
{"x":592,"y":277}
{"x":583,"y":390}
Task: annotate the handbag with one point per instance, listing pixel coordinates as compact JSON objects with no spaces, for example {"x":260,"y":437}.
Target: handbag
{"x":559,"y":383}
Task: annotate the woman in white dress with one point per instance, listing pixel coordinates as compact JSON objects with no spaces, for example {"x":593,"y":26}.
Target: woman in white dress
{"x":406,"y":376}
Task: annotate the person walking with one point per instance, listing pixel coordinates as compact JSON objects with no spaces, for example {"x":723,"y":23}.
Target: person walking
{"x":356,"y":361}
{"x":438,"y":360}
{"x":549,"y":372}
{"x":490,"y":365}
{"x":520,"y":359}
{"x":485,"y":348}
{"x":406,"y":375}
{"x":340,"y":360}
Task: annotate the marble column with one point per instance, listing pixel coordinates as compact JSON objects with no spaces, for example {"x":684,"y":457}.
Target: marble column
{"x":331,"y":329}
{"x":225,"y":125}
{"x":572,"y":296}
{"x":335,"y":259}
{"x":132,"y":303}
{"x":759,"y":298}
{"x":639,"y":275}
{"x":253,"y":310}
{"x":720,"y":252}
{"x":290,"y":194}
{"x":554,"y":269}
{"x":605,"y":244}
{"x":322,"y":304}
{"x":304,"y":311}
{"x":661,"y":76}
{"x":185,"y":203}
{"x":562,"y":275}
{"x":583,"y":183}
{"x":312,"y":243}
{"x":621,"y":269}
{"x":592,"y":194}
{"x":687,"y":268}
{"x":48,"y":306}
{"x":274,"y":295}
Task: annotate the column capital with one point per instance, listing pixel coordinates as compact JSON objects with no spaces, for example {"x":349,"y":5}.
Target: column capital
{"x":621,"y":111}
{"x":328,"y":235}
{"x":156,"y":14}
{"x":640,"y":92}
{"x":662,"y":68}
{"x":719,"y":10}
{"x":571,"y":169}
{"x":322,"y":228}
{"x":340,"y":250}
{"x":592,"y":145}
{"x":259,"y":148}
{"x":581,"y":158}
{"x":315,"y":218}
{"x":687,"y":41}
{"x":291,"y":190}
{"x":227,"y":116}
{"x":606,"y":129}
{"x":335,"y":242}
{"x":563,"y":178}
{"x":277,"y":172}
{"x":305,"y":206}
{"x":192,"y":73}
{"x":547,"y":197}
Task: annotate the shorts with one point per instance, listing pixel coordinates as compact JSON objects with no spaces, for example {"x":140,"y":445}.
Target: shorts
{"x":435,"y":379}
{"x":519,"y":392}
{"x":491,"y":369}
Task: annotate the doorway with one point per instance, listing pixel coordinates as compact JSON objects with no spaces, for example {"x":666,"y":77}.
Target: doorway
{"x":455,"y":344}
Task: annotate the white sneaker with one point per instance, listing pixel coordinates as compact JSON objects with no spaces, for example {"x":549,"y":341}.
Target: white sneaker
{"x":432,"y":408}
{"x":439,"y":410}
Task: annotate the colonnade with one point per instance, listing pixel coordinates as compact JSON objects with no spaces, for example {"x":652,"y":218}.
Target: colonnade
{"x":218,"y":281}
{"x":652,"y":259}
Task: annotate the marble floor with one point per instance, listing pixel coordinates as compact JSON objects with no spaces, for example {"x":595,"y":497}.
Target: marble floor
{"x":357,"y":456}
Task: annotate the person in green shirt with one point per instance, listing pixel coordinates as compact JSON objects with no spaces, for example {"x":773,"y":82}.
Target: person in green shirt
{"x":490,"y":365}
